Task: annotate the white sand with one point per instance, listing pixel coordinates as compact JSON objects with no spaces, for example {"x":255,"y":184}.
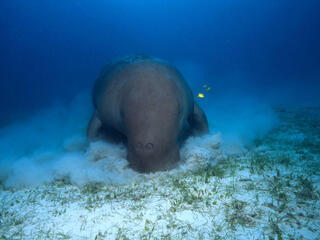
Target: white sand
{"x":270,"y":191}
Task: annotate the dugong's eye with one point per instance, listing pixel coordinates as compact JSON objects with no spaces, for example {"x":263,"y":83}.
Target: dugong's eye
{"x":139,"y":147}
{"x":149,"y":147}
{"x":179,"y":110}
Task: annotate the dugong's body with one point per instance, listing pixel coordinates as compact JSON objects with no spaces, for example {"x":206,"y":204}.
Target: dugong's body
{"x":147,"y":104}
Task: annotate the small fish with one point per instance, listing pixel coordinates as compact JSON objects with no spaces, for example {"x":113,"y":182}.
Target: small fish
{"x":208,"y":89}
{"x":200,"y":95}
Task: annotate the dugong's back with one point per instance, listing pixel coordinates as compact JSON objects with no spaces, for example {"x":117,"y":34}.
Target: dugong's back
{"x":143,"y":89}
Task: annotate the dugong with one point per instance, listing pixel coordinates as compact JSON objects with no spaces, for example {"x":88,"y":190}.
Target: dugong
{"x":145,"y":103}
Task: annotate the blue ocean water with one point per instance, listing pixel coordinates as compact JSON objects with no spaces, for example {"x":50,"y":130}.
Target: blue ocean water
{"x":252,"y":55}
{"x":52,"y":50}
{"x":255,"y":176}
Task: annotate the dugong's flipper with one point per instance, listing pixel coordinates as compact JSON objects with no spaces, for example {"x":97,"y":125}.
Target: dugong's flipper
{"x":198,"y":121}
{"x":94,"y":127}
{"x":99,"y":131}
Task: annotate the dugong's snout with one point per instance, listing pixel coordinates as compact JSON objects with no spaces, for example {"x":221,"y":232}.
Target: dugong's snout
{"x":148,"y":157}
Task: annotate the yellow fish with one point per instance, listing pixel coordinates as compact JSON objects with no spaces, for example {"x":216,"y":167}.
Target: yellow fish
{"x":208,"y":89}
{"x":200,"y":95}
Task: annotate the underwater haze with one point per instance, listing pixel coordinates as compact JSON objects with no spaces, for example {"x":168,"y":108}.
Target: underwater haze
{"x":51,"y":50}
{"x":254,"y":68}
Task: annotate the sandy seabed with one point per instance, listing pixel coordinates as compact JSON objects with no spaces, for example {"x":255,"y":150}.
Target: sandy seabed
{"x":269,"y":191}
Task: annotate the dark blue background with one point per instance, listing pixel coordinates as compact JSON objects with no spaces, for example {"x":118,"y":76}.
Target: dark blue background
{"x":52,"y":49}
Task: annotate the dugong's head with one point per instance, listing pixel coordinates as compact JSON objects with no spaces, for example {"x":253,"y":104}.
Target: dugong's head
{"x":150,"y":156}
{"x":152,"y":134}
{"x":152,"y":145}
{"x":151,"y":113}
